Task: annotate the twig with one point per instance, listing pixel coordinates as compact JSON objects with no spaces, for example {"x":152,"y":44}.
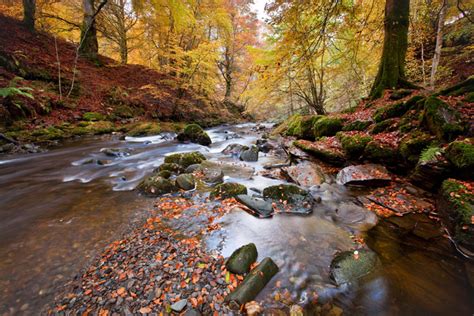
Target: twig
{"x":59,"y":68}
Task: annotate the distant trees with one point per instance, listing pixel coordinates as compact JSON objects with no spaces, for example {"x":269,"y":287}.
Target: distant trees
{"x":391,"y":73}
{"x":29,"y":11}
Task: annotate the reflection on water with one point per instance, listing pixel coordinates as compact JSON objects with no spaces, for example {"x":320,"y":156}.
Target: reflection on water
{"x":57,"y":209}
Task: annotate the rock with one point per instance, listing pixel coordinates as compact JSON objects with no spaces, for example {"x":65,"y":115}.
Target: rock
{"x":412,"y":145}
{"x":357,"y":125}
{"x":179,"y":305}
{"x":455,"y":202}
{"x":241,"y":259}
{"x":234,"y":149}
{"x":228,"y":190}
{"x":192,"y":168}
{"x":461,"y":155}
{"x":382,"y":153}
{"x":172,"y":167}
{"x":166,"y":174}
{"x":432,"y":168}
{"x":185,"y":181}
{"x":349,"y":266}
{"x":305,"y":173}
{"x":253,"y":308}
{"x":327,"y":126}
{"x":364,"y":175}
{"x":396,"y":109}
{"x":192,"y":312}
{"x":353,"y":143}
{"x":262,"y":208}
{"x":253,"y":283}
{"x":156,"y":186}
{"x":264,"y":145}
{"x":115,"y":152}
{"x":442,"y":120}
{"x":329,"y":150}
{"x":104,"y":162}
{"x":195,"y":134}
{"x":285,"y":192}
{"x":93,"y":116}
{"x":250,"y":154}
{"x":212,"y":175}
{"x":233,"y":170}
{"x":185,"y":159}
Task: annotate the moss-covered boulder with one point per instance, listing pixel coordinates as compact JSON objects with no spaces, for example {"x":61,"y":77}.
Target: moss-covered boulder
{"x":293,"y":125}
{"x":327,"y":126}
{"x":285,"y":192}
{"x":413,"y":144}
{"x":185,"y":159}
{"x":93,"y":116}
{"x":144,"y":129}
{"x":48,"y":134}
{"x":195,"y":134}
{"x":185,"y":181}
{"x":353,"y":143}
{"x":456,"y":205}
{"x":164,"y":174}
{"x":100,"y":127}
{"x":461,"y":155}
{"x":396,"y":109}
{"x":432,"y":168}
{"x":228,"y":190}
{"x":307,"y":126}
{"x":381,"y":152}
{"x":328,"y":149}
{"x":357,"y":125}
{"x":442,"y":120}
{"x":156,"y":186}
{"x":463,"y":87}
{"x":388,"y":125}
{"x":172,"y":167}
{"x":250,"y":154}
{"x":241,"y":259}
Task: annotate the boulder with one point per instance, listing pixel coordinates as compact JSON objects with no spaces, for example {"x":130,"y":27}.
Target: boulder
{"x":232,"y":170}
{"x":115,"y":152}
{"x":328,"y":150}
{"x":179,"y":305}
{"x":228,"y":190}
{"x":461,"y":155}
{"x":172,"y":167}
{"x":380,"y":152}
{"x":264,"y":145}
{"x":164,"y":174}
{"x":250,"y":154}
{"x":364,"y":175}
{"x":234,"y":149}
{"x":195,"y":134}
{"x":353,"y":143}
{"x":455,"y":203}
{"x":349,"y":266}
{"x":432,"y":168}
{"x":327,"y":126}
{"x":262,"y":208}
{"x":212,"y":175}
{"x":185,"y":181}
{"x":305,"y":174}
{"x":192,"y":168}
{"x":442,"y":120}
{"x":291,"y":199}
{"x":241,"y":259}
{"x":413,"y":144}
{"x":156,"y":186}
{"x":185,"y":159}
{"x":357,"y":125}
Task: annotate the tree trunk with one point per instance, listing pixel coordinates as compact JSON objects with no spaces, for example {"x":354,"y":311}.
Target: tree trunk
{"x":439,"y":44}
{"x":29,"y":10}
{"x":123,"y":51}
{"x":89,"y":46}
{"x":391,"y":73}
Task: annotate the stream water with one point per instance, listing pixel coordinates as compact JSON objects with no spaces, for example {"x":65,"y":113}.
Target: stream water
{"x":58,"y":209}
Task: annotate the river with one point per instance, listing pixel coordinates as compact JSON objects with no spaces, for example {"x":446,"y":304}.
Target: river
{"x":58,"y":209}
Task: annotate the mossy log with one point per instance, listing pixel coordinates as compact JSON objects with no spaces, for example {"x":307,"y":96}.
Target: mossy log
{"x":253,"y":283}
{"x":241,"y":259}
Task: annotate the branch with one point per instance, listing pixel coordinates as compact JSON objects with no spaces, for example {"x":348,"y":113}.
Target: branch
{"x":458,"y":5}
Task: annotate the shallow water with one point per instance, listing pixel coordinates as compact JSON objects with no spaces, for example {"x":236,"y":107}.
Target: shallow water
{"x":58,"y":209}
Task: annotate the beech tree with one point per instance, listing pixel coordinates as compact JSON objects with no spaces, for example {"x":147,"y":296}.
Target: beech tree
{"x":391,"y":73}
{"x":29,"y":10}
{"x":89,"y":46}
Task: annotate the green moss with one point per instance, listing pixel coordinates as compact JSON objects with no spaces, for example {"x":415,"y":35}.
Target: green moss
{"x":384,"y":126}
{"x":353,"y":145}
{"x":195,"y":134}
{"x":284,"y":192}
{"x":93,"y":116}
{"x":382,"y":153}
{"x":185,"y":159}
{"x":144,"y":129}
{"x":413,"y":144}
{"x":396,"y":109}
{"x":320,"y":151}
{"x":48,"y":133}
{"x":228,"y":190}
{"x":327,"y":126}
{"x":307,"y":126}
{"x":460,"y":88}
{"x":442,"y":120}
{"x":430,"y":153}
{"x":193,"y":129}
{"x":294,"y":125}
{"x":461,"y":154}
{"x":101,"y":127}
{"x":356,"y":126}
{"x":171,"y":167}
{"x":469,"y":97}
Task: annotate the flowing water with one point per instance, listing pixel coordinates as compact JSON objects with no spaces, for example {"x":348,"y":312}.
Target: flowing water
{"x":59,"y":208}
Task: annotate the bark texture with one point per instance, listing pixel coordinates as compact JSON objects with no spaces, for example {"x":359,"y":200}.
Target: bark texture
{"x":89,"y":46}
{"x":391,"y":73}
{"x":29,"y":11}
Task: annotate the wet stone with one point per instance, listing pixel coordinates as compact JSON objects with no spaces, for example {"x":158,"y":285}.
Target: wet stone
{"x":364,"y":175}
{"x":261,"y":207}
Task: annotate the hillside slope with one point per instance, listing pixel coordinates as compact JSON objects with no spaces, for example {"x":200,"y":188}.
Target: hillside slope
{"x":119,"y":93}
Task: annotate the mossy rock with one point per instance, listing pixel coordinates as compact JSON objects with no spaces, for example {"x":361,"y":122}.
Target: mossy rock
{"x":353,"y":145}
{"x":93,"y":116}
{"x":319,"y":150}
{"x":49,"y":133}
{"x":349,"y":266}
{"x":456,"y":203}
{"x":185,"y":181}
{"x":144,"y":129}
{"x":442,"y":120}
{"x":385,"y":126}
{"x":356,"y":126}
{"x":461,"y":155}
{"x":432,"y":168}
{"x":166,"y":174}
{"x":195,"y":134}
{"x":156,"y":186}
{"x":242,"y":259}
{"x":174,"y":168}
{"x":460,"y":88}
{"x":396,"y":109}
{"x":285,"y":192}
{"x":382,"y":153}
{"x":294,"y":126}
{"x":228,"y":190}
{"x":101,"y":127}
{"x":327,"y":126}
{"x":413,"y":144}
{"x":307,"y":126}
{"x":185,"y":159}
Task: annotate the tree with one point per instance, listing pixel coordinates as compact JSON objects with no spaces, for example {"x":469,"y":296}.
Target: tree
{"x":115,"y":23}
{"x":29,"y":10}
{"x":439,"y":43}
{"x":89,"y":46}
{"x":391,"y":73}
